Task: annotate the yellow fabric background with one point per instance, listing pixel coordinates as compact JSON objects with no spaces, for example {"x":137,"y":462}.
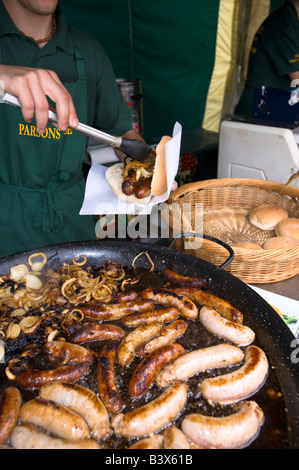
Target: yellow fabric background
{"x":237,"y":23}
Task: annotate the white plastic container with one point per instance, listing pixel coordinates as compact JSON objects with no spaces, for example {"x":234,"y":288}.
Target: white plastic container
{"x":257,"y":151}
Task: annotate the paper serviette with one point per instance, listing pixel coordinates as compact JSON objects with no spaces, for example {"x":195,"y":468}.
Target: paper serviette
{"x":99,"y":199}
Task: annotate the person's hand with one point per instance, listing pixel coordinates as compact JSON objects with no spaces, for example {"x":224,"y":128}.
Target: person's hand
{"x":32,"y":86}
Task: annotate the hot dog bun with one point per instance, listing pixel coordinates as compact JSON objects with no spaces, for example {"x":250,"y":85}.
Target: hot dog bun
{"x":288,"y":228}
{"x":114,"y":177}
{"x":280,"y":243}
{"x":159,"y":181}
{"x":267,"y":216}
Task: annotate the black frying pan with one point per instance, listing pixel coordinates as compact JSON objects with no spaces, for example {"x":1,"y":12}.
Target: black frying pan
{"x":271,"y":332}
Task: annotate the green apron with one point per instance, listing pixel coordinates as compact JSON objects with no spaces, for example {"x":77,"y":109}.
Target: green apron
{"x":42,"y":185}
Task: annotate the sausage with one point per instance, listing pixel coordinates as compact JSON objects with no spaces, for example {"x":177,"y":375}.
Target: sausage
{"x":179,"y":280}
{"x":127,"y":296}
{"x":224,"y":308}
{"x":174,"y":438}
{"x":106,"y":379}
{"x":168,"y":334}
{"x":35,"y":378}
{"x":83,"y":401}
{"x":95,"y":332}
{"x":107,"y":312}
{"x":164,"y":296}
{"x":10,"y":405}
{"x":153,"y":442}
{"x":63,"y":352}
{"x":236,"y":333}
{"x":230,"y":432}
{"x":147,"y":370}
{"x":240,"y":384}
{"x":152,"y":416}
{"x":199,"y":360}
{"x":28,"y":436}
{"x":162,"y":315}
{"x":132,"y":340}
{"x":54,"y":418}
{"x":143,"y":188}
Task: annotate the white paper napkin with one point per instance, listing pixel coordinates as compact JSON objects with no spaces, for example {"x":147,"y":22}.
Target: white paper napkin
{"x":99,"y":199}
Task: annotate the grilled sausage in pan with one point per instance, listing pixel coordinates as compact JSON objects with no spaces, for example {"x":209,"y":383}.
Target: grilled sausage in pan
{"x":224,"y":308}
{"x":153,"y":442}
{"x":28,"y":436}
{"x":63,"y":352}
{"x":10,"y":405}
{"x":168,"y":297}
{"x":95,"y":332}
{"x":199,"y":360}
{"x":240,"y":384}
{"x":163,"y":315}
{"x":152,"y":416}
{"x":230,"y":432}
{"x":174,"y":438}
{"x":35,"y":378}
{"x":180,"y":281}
{"x":132,"y":340}
{"x":83,"y":401}
{"x":147,"y":370}
{"x":168,"y":334}
{"x":240,"y":335}
{"x":107,"y":312}
{"x":106,"y":379}
{"x":54,"y":418}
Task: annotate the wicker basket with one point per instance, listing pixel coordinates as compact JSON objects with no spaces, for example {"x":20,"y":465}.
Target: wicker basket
{"x":225,"y":206}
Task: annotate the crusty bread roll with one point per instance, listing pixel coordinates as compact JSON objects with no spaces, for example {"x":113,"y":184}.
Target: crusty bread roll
{"x":267,"y":216}
{"x":115,"y":178}
{"x":247,"y":246}
{"x":280,"y":243}
{"x":288,"y":228}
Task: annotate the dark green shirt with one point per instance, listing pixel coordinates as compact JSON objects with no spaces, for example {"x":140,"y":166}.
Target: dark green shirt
{"x":274,"y":55}
{"x":41,"y":181}
{"x":106,"y":108}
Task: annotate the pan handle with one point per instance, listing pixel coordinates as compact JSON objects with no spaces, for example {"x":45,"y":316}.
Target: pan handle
{"x":208,"y":237}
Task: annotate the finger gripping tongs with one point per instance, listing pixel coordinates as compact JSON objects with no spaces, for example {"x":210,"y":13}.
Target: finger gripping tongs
{"x":135,"y":149}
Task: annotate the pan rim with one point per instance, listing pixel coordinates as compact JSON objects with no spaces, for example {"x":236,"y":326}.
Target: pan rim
{"x":286,"y":370}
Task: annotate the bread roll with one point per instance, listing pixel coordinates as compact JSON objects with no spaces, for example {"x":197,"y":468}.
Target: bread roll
{"x":247,"y":245}
{"x":114,"y":177}
{"x":288,"y":228}
{"x":159,"y":181}
{"x":267,"y":216}
{"x":280,"y":243}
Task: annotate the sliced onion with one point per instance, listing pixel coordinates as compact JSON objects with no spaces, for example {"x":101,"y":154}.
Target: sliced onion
{"x":30,"y":324}
{"x":37,"y":265}
{"x":18,"y":272}
{"x":13,"y":330}
{"x":33,"y":282}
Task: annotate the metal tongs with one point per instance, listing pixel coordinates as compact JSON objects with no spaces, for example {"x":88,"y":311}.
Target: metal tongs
{"x":135,"y":149}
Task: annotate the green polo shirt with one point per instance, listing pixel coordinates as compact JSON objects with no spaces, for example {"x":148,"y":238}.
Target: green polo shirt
{"x":274,"y":55}
{"x":107,"y":109}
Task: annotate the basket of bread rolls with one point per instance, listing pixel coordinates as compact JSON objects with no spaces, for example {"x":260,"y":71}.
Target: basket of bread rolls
{"x":259,"y":219}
